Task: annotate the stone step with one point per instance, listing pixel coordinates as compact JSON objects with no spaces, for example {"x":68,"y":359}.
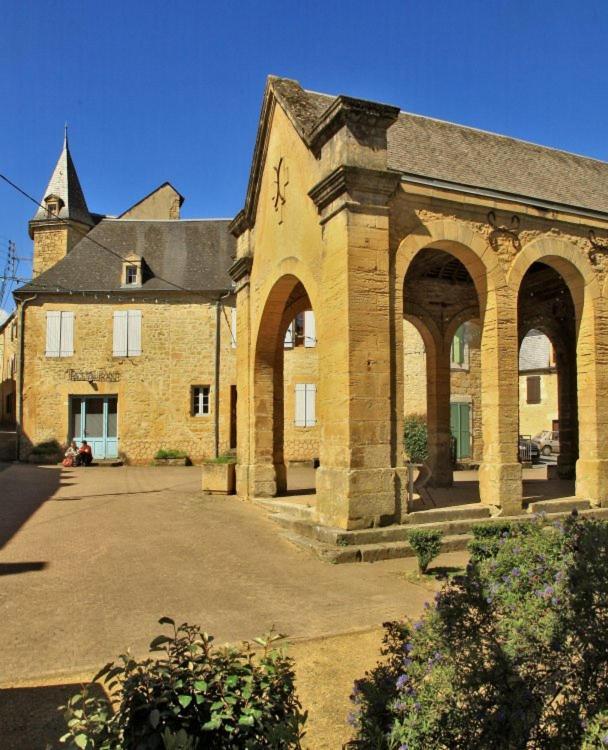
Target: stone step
{"x":370,"y":545}
{"x":286,"y":508}
{"x":372,"y":552}
{"x":379,"y":535}
{"x":453,"y":513}
{"x":560,"y":505}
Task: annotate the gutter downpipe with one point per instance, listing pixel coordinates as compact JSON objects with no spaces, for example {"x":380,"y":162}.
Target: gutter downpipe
{"x":216,"y":387}
{"x":19,"y":429}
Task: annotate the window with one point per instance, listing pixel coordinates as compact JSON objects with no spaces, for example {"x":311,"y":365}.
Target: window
{"x":305,"y":405}
{"x":200,"y":400}
{"x":9,"y":404}
{"x":59,"y":334}
{"x":130,"y":274}
{"x":127,"y":333}
{"x":11,"y":367}
{"x":533,"y":389}
{"x":459,"y":354}
{"x":302,"y":330}
{"x":13,"y":330}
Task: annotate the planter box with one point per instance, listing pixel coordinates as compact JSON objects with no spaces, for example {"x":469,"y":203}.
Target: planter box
{"x":171,"y":461}
{"x":219,"y":479}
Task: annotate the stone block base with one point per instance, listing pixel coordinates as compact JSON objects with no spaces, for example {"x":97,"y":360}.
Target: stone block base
{"x":266,"y":480}
{"x":361,"y":498}
{"x":592,"y":481}
{"x":218,"y":479}
{"x":500,"y":485}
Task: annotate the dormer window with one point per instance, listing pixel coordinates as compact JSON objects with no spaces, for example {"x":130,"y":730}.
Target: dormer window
{"x":53,"y":204}
{"x":132,"y":270}
{"x":130,"y":275}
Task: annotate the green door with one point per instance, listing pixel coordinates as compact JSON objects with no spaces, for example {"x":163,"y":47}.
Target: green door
{"x":460,"y":424}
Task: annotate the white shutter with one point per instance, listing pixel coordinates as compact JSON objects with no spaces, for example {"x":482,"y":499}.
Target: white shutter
{"x":300,"y":405}
{"x":67,"y":334}
{"x":120,"y":333}
{"x":311,"y":404}
{"x":53,"y":333}
{"x":310,"y":334}
{"x":288,"y":343}
{"x":134,"y":333}
{"x":233,"y":327}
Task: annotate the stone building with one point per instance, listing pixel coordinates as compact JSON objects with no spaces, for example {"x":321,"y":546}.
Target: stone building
{"x":127,"y":327}
{"x":367,"y":216}
{"x":8,"y":370}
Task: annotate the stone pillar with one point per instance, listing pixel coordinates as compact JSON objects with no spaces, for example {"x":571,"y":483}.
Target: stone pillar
{"x":358,"y":482}
{"x":500,"y":477}
{"x":567,"y":400}
{"x":438,"y":415}
{"x":592,"y":381}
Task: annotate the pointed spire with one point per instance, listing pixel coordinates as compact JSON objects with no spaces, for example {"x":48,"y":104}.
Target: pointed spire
{"x":65,"y":185}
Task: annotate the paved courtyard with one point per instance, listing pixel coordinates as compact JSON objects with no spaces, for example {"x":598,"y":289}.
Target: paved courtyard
{"x":91,"y":558}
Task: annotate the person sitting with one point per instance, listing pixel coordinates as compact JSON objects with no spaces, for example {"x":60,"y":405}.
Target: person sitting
{"x":85,"y":455}
{"x":70,"y":454}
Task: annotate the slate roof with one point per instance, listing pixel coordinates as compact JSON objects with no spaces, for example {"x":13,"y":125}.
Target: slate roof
{"x":64,"y":183}
{"x":189,"y":254}
{"x":434,"y":149}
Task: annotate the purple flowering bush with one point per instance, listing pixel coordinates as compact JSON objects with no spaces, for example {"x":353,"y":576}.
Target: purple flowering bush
{"x":513,"y":654}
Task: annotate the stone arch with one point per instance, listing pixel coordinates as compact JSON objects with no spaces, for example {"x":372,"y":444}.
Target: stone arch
{"x":282,"y":301}
{"x":567,"y":260}
{"x":582,"y":282}
{"x":458,"y":239}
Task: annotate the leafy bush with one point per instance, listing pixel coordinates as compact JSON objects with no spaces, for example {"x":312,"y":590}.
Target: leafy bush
{"x":170,"y":453}
{"x":487,"y":537}
{"x":426,"y":543}
{"x":596,"y":733}
{"x":512,"y":655}
{"x":196,"y":696}
{"x":47,"y":448}
{"x":415,"y":438}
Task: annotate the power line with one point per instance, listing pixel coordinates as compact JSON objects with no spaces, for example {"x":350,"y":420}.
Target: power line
{"x":79,"y":231}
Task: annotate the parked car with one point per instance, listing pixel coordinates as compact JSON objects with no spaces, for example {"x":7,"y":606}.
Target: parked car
{"x":547,"y":441}
{"x":529,"y":451}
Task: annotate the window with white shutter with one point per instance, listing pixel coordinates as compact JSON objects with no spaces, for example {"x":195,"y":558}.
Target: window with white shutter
{"x":127,"y":333}
{"x":306,"y":394}
{"x":59,"y":334}
{"x":310,"y":333}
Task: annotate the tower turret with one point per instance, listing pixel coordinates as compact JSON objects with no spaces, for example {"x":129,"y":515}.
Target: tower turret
{"x":63,"y":217}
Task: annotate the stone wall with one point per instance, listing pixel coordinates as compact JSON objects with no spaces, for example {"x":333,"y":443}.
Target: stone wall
{"x":536,"y":417}
{"x":8,"y":355}
{"x":52,"y":242}
{"x":300,"y":366}
{"x":153,"y":389}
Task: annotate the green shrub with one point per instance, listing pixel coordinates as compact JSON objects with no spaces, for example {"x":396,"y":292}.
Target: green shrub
{"x":47,"y":448}
{"x":513,"y":654}
{"x":415,"y":438}
{"x":426,"y":544}
{"x":486,"y":537}
{"x":170,"y":453}
{"x":196,"y":696}
{"x":227,"y":458}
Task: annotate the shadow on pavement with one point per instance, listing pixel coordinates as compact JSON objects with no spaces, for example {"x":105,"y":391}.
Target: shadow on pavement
{"x":22,"y":491}
{"x":11,"y":569}
{"x":29,"y":716}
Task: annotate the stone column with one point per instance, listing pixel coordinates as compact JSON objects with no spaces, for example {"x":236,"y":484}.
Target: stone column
{"x":592,"y":378}
{"x":240,"y":272}
{"x":500,"y":477}
{"x":358,"y":483}
{"x":438,"y":415}
{"x":567,"y":400}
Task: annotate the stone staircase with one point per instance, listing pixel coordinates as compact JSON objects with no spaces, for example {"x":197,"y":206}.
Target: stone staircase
{"x":387,"y":542}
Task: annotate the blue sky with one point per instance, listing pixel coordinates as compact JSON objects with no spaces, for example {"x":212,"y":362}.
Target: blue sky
{"x":156,"y":91}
